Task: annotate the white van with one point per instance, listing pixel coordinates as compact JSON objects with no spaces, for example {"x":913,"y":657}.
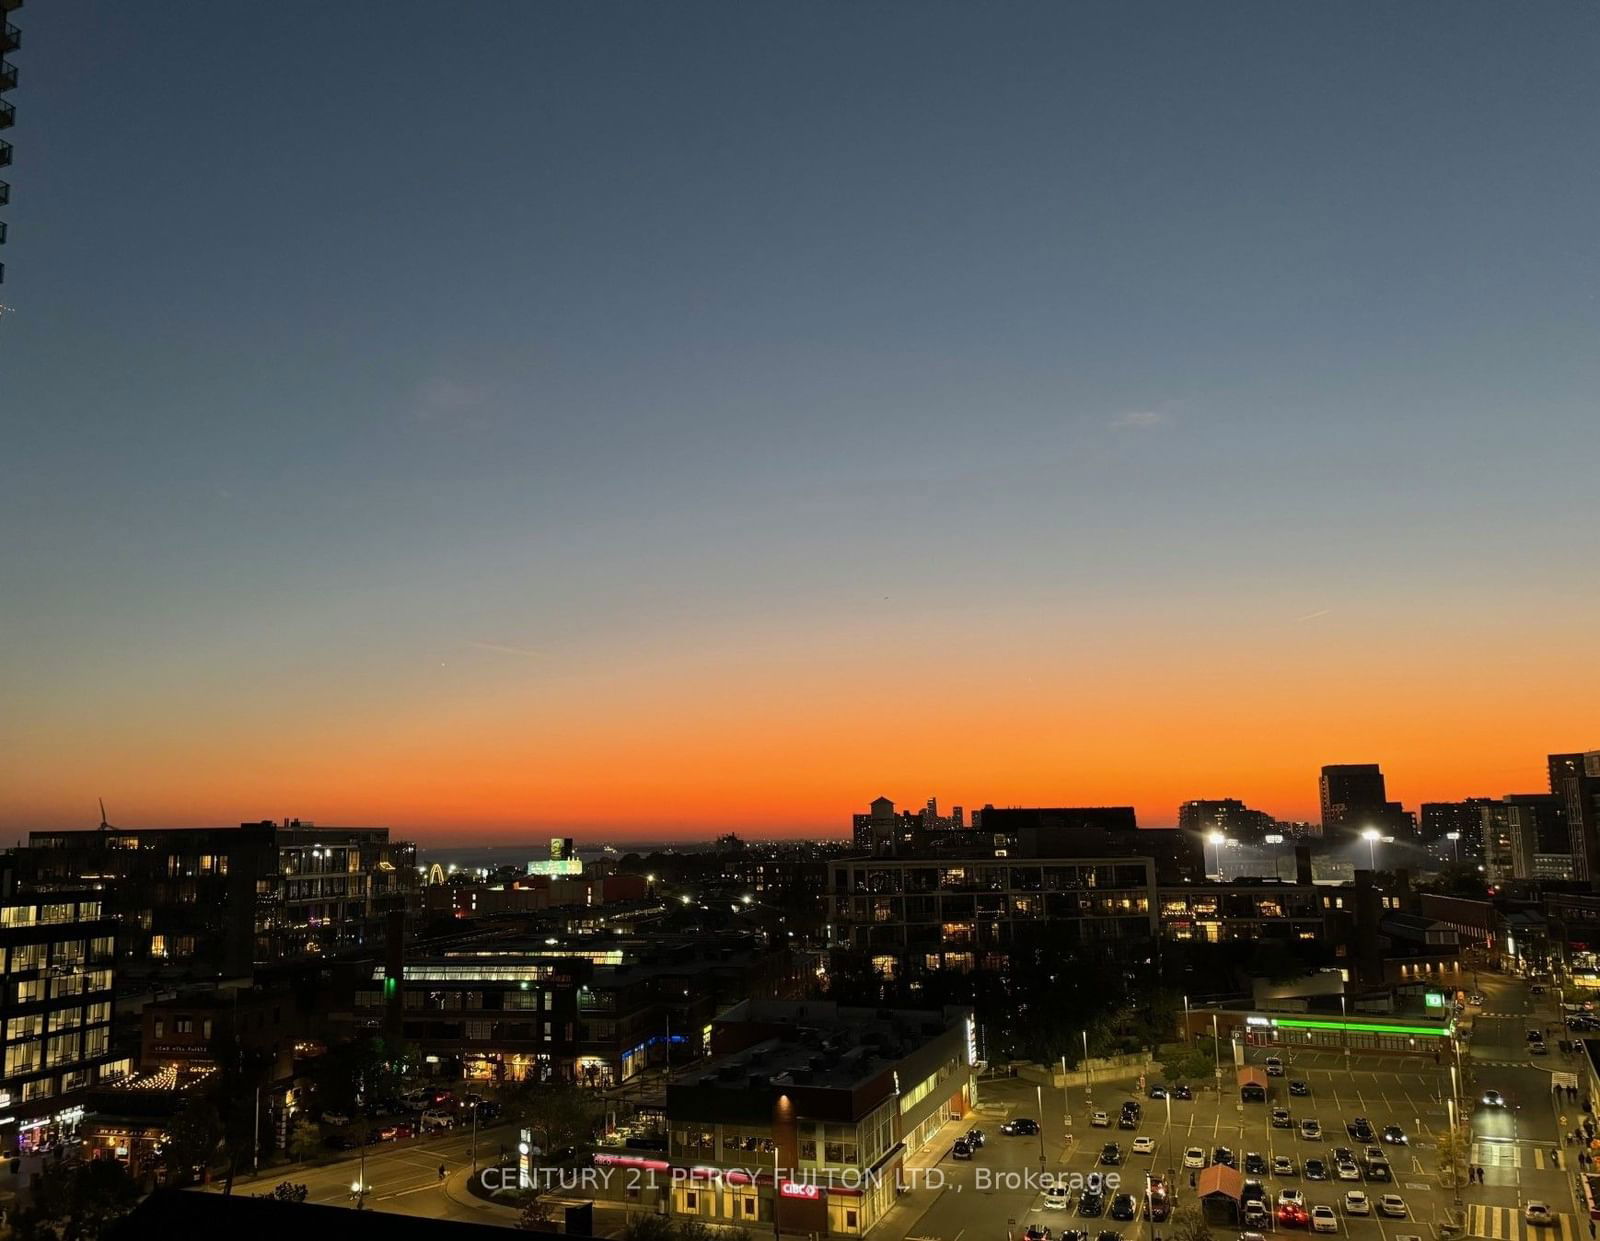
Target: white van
{"x":1274,"y":1067}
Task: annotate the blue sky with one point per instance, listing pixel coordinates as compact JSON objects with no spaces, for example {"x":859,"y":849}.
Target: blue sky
{"x":352,"y":342}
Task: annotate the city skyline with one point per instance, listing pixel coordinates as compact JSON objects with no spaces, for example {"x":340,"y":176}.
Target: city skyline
{"x":684,"y":418}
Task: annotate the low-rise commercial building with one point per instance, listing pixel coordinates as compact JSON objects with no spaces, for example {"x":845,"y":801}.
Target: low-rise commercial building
{"x":804,"y":1118}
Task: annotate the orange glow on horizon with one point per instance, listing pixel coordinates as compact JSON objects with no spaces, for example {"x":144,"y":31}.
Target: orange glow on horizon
{"x":791,"y":739}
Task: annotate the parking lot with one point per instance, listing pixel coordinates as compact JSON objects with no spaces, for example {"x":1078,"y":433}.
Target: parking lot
{"x":999,"y":1192}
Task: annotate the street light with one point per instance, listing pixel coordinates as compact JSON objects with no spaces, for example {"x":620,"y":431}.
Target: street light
{"x":1088,"y":1097}
{"x":1218,"y":840}
{"x":1371,"y":835}
{"x":1455,"y":845}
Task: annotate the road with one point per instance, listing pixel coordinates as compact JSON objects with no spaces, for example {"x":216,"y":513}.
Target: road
{"x":1516,"y":1145}
{"x":1000,"y":1192}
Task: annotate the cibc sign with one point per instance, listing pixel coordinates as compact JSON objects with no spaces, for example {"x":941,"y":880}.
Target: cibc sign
{"x":804,"y":1190}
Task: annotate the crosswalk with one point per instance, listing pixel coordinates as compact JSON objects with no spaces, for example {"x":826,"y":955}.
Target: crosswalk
{"x":1512,"y":1155}
{"x":1508,"y":1224}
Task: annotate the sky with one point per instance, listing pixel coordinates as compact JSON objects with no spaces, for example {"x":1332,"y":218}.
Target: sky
{"x":658,"y":419}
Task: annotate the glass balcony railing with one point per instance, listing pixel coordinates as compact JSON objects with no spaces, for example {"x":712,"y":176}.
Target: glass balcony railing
{"x":5,"y":154}
{"x":8,"y":76}
{"x":8,"y":114}
{"x":10,"y":38}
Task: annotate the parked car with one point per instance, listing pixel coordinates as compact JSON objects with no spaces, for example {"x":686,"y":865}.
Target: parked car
{"x":1282,"y":1165}
{"x":1110,"y":1155}
{"x":1091,"y":1203}
{"x":436,"y":1118}
{"x":1225,"y":1156}
{"x":1194,"y":1157}
{"x":1256,"y":1216}
{"x":1357,"y":1203}
{"x":1347,"y":1171}
{"x":1254,"y":1164}
{"x":1379,"y":1170}
{"x":1057,"y":1197}
{"x":1130,"y":1116}
{"x":1392,"y":1205}
{"x":961,"y":1149}
{"x":1124,"y":1207}
{"x":1274,"y":1066}
{"x":1299,"y":1089}
{"x":1181,"y":1092}
{"x":1323,"y":1219}
{"x":1021,"y":1127}
{"x":1037,"y":1232}
{"x":1316,"y":1170}
{"x":1360,"y":1129}
{"x":1144,"y":1146}
{"x":1100,"y":1120}
{"x":1311,"y":1130}
{"x":1157,"y":1091}
{"x":975,"y":1138}
{"x":1281,"y":1118}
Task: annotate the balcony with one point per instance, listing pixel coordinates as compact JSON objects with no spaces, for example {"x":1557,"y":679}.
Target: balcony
{"x":8,"y":76}
{"x":5,"y":155}
{"x":8,"y":114}
{"x":10,"y":38}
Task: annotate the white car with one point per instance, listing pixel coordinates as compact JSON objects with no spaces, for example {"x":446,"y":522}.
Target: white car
{"x":1392,"y":1205}
{"x":1311,"y":1130}
{"x":1348,"y":1172}
{"x":1282,"y":1165}
{"x":1057,"y":1198}
{"x":1274,"y":1067}
{"x":1357,"y":1203}
{"x":1194,"y":1157}
{"x":1539,"y":1213}
{"x":1324,"y":1220}
{"x":1144,"y":1146}
{"x":436,"y":1118}
{"x":1100,"y":1120}
{"x":1291,"y":1197}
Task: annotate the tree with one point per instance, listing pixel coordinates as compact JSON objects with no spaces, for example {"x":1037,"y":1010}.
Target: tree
{"x":1189,"y":1224}
{"x":649,"y":1227}
{"x":558,"y":1113}
{"x":305,"y":1138}
{"x":1453,"y":1151}
{"x":192,"y":1139}
{"x":536,"y":1215}
{"x":1187,"y":1063}
{"x":77,"y":1202}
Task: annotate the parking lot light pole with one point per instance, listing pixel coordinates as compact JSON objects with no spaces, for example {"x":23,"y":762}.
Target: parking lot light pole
{"x":1088,"y":1095}
{"x":1039,"y":1092}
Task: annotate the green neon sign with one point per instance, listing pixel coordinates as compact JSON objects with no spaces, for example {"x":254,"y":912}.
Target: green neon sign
{"x":1355,"y":1028}
{"x":1434,"y":999}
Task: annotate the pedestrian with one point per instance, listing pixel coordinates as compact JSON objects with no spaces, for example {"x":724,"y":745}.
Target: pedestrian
{"x":441,"y":1172}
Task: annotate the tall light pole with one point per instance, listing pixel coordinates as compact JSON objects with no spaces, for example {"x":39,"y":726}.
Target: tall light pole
{"x":1371,"y":835}
{"x":1039,"y":1094}
{"x":1455,"y":845}
{"x":1344,"y":1029}
{"x":1088,"y":1093}
{"x":1216,"y":1054}
{"x":1218,"y":839}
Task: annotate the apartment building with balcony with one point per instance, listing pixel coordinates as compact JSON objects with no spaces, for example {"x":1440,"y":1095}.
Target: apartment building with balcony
{"x":58,"y":952}
{"x":208,"y":903}
{"x":913,"y":915}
